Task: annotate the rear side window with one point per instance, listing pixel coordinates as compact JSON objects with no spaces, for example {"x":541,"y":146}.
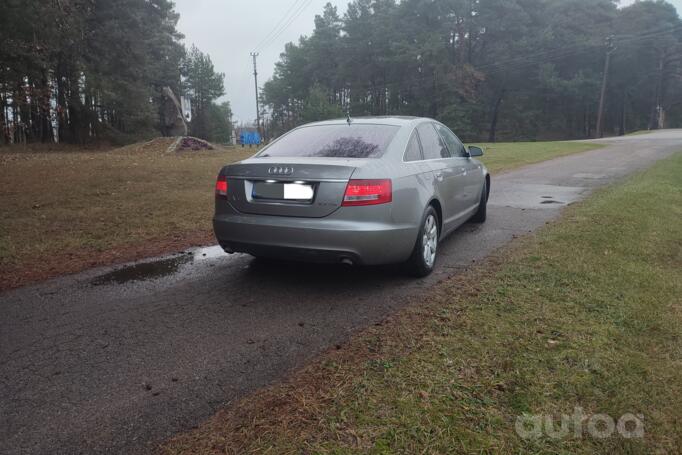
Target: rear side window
{"x":433,"y":145}
{"x":454,"y":144}
{"x":334,"y":141}
{"x":414,"y":149}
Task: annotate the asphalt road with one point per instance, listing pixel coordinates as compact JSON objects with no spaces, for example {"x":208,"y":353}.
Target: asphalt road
{"x":117,"y":360}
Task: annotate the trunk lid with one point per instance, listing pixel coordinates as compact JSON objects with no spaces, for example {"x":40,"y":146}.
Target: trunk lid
{"x":257,"y":185}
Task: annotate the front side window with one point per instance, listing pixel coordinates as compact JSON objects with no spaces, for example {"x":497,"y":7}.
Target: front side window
{"x":414,"y":149}
{"x":433,"y":145}
{"x":454,"y":144}
{"x":333,"y":141}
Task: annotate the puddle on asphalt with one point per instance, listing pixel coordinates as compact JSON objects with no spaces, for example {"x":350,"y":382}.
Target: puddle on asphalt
{"x":146,"y":271}
{"x":535,"y":196}
{"x":551,"y":202}
{"x":143,"y":271}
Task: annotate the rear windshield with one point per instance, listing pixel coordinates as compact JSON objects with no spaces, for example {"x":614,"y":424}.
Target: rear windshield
{"x":334,"y":141}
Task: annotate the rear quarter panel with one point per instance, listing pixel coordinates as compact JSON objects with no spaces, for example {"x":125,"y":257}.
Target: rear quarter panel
{"x":413,"y":184}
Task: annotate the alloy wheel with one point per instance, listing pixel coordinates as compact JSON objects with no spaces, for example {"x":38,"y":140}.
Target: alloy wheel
{"x":430,"y":240}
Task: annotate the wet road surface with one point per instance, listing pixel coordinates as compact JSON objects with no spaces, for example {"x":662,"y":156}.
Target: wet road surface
{"x":117,"y":360}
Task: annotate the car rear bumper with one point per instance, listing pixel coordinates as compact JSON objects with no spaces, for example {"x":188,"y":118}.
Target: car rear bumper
{"x":330,"y":240}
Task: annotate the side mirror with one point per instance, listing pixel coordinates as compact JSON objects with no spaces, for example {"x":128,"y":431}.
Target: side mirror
{"x":475,"y":151}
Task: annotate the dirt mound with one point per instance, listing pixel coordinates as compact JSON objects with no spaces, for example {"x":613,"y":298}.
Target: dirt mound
{"x":190,"y":144}
{"x":163,"y":145}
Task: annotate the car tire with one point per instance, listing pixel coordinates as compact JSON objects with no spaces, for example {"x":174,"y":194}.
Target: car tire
{"x":423,"y":258}
{"x":482,"y":213}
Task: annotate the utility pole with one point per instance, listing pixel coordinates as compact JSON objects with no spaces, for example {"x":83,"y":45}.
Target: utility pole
{"x":656,"y":120}
{"x":602,"y":99}
{"x":255,"y":77}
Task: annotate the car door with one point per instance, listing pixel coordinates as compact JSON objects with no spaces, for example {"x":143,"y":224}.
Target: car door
{"x":446,"y":177}
{"x":469,"y":171}
{"x":418,"y":184}
{"x":414,"y":159}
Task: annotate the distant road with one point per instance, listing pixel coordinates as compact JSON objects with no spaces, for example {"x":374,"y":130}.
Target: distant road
{"x":97,"y":363}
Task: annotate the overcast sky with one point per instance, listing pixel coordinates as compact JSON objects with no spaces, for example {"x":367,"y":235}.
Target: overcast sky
{"x":228,"y":30}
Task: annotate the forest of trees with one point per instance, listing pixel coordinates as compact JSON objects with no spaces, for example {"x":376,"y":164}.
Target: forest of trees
{"x":490,"y":69}
{"x":79,"y":71}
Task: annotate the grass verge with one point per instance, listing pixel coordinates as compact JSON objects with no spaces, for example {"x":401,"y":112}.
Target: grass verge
{"x":639,"y":133}
{"x":511,"y":155}
{"x":64,"y":211}
{"x":586,"y":313}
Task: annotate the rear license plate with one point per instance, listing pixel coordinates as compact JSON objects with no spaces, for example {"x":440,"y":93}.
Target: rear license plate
{"x":298,"y":191}
{"x":283,"y":191}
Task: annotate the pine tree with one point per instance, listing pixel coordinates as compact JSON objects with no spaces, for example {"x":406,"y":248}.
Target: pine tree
{"x":204,"y":86}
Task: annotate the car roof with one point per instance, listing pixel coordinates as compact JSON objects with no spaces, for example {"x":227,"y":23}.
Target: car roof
{"x":382,"y":120}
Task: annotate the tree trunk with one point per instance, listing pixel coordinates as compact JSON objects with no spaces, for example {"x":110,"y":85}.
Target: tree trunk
{"x":61,"y":104}
{"x":621,"y":131}
{"x":587,"y":123}
{"x":3,"y":124}
{"x":434,"y":104}
{"x":89,"y":124}
{"x":492,"y":135}
{"x":470,"y":42}
{"x":47,"y":135}
{"x":76,"y":111}
{"x":656,"y":104}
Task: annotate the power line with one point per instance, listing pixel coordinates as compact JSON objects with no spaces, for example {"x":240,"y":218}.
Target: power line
{"x":667,"y":29}
{"x":265,"y":43}
{"x":286,"y":20}
{"x":279,"y":23}
{"x":243,"y":75}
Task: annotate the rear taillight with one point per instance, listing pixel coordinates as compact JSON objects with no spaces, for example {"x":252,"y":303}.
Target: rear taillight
{"x":221,"y":187}
{"x":368,"y":192}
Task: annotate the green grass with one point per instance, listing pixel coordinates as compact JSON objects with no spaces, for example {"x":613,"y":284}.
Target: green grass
{"x":587,"y":313}
{"x":506,"y":156}
{"x":64,"y":210}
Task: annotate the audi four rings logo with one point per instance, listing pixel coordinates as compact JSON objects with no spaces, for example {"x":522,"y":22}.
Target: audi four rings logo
{"x":280,"y":170}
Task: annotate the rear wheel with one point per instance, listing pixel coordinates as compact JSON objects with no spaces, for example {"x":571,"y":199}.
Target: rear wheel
{"x":423,"y":258}
{"x":482,"y":213}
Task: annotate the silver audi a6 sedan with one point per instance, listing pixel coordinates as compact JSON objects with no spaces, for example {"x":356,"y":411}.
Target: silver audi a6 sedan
{"x":360,"y":191}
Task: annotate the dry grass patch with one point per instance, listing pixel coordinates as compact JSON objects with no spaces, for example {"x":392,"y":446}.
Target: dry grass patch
{"x":66,"y":210}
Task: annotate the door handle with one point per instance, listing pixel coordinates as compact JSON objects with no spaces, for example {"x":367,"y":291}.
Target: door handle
{"x":439,"y":176}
